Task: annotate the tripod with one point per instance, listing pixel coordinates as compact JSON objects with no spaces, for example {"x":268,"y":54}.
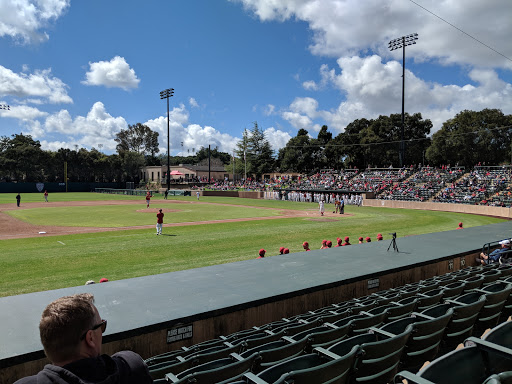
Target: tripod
{"x":393,"y":243}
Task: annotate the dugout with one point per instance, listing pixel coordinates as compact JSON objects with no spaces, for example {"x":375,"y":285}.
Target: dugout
{"x":159,"y":313}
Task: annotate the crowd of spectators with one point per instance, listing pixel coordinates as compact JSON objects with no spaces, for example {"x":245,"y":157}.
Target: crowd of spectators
{"x":478,"y":187}
{"x":484,"y":185}
{"x":422,"y":185}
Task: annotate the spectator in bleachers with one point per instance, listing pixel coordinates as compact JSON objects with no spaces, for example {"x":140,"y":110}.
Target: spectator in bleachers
{"x":261,"y":253}
{"x":305,"y":245}
{"x":71,"y":333}
{"x":494,"y":256}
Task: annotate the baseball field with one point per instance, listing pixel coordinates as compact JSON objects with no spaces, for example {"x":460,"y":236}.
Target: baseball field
{"x":77,"y":237}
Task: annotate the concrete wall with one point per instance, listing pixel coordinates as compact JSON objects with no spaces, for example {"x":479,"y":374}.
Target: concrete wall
{"x":446,"y":207}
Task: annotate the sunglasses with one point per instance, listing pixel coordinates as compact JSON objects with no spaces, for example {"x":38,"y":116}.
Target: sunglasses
{"x":103,"y":326}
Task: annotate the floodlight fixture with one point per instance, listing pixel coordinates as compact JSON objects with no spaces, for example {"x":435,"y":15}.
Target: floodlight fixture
{"x":398,"y":43}
{"x":166,"y":94}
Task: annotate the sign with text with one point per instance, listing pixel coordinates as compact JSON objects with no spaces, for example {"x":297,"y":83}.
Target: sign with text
{"x":178,"y":333}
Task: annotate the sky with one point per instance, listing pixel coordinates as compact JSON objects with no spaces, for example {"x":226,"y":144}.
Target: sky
{"x":75,"y":73}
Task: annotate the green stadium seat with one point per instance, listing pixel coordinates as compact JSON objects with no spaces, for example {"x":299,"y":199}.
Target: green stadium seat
{"x":320,"y":367}
{"x":275,"y":352}
{"x":379,"y":354}
{"x":429,"y":299}
{"x":496,"y":295}
{"x":361,"y":322}
{"x":323,"y":336}
{"x":427,"y":334}
{"x":453,"y":289}
{"x":159,"y":371}
{"x":469,"y":365}
{"x":465,"y":312}
{"x":500,"y":335}
{"x":473,"y":282}
{"x":220,"y":371}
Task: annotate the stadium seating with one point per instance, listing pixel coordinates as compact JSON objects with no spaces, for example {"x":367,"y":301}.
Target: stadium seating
{"x":275,"y":352}
{"x":495,"y":297}
{"x":379,"y":354}
{"x":323,"y":336}
{"x":466,"y":309}
{"x":219,"y":371}
{"x":426,"y":337}
{"x":318,"y":367}
{"x":470,"y":365}
{"x":391,"y":330}
{"x":182,"y":364}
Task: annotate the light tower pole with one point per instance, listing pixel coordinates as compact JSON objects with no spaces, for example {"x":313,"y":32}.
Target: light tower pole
{"x":402,"y":42}
{"x":166,"y":94}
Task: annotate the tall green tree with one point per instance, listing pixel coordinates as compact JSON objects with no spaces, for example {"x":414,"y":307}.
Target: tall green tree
{"x":261,"y":154}
{"x":138,"y":138}
{"x":242,"y":158}
{"x":297,"y":155}
{"x":21,"y":158}
{"x":321,"y":157}
{"x":473,"y":137}
{"x":376,"y":142}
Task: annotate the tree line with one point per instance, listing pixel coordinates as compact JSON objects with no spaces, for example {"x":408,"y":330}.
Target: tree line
{"x":467,"y":139}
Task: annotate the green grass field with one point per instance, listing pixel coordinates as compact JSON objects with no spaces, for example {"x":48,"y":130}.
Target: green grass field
{"x":43,"y":263}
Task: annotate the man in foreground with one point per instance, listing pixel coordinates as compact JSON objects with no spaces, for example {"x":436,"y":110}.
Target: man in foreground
{"x":71,"y":333}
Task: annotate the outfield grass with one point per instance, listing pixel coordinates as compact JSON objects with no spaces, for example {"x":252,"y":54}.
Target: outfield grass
{"x":131,"y":215}
{"x":10,"y":198}
{"x":44,"y":263}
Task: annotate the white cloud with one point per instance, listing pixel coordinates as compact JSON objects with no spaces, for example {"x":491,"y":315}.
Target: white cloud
{"x":299,"y":121}
{"x":276,"y":138}
{"x":310,"y":85}
{"x":37,"y":84}
{"x":269,"y":110}
{"x":192,"y":135}
{"x":193,"y":102}
{"x":23,"y":112}
{"x":350,"y":27}
{"x":98,"y":127}
{"x":24,"y":20}
{"x":326,"y":76}
{"x":372,"y":88}
{"x":115,"y":73}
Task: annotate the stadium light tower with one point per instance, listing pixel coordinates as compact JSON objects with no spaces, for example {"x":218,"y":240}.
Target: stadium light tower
{"x":402,"y":42}
{"x":5,"y":106}
{"x":166,"y":94}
